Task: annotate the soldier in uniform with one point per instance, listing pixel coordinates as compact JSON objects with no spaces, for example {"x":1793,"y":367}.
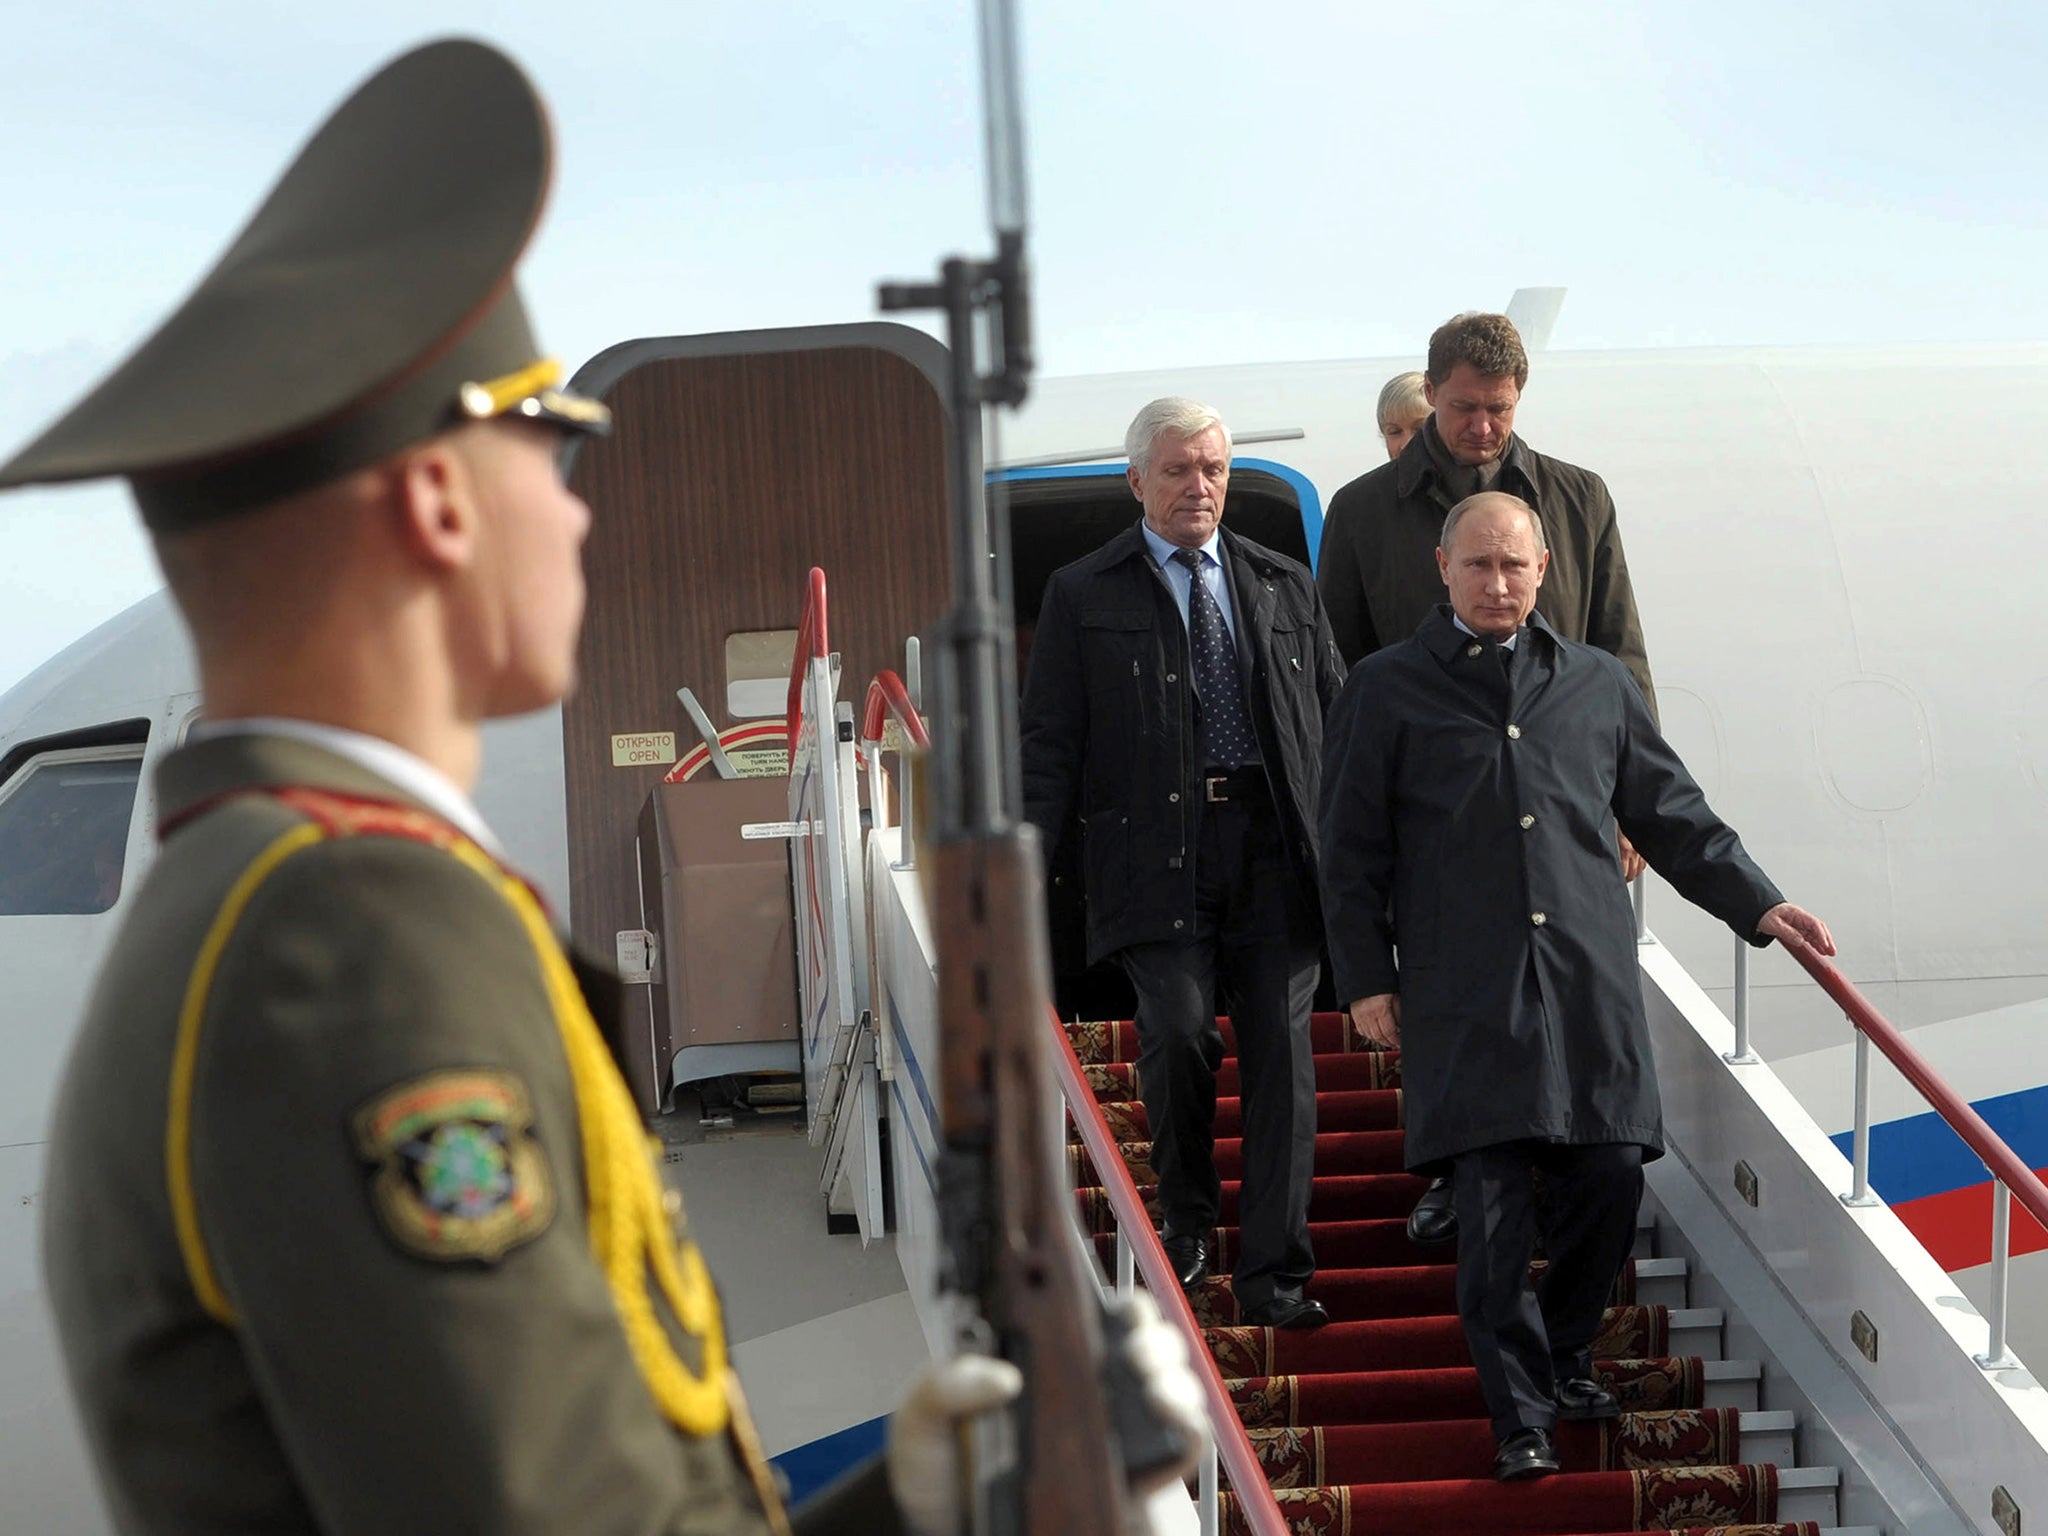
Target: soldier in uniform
{"x":352,"y":1224}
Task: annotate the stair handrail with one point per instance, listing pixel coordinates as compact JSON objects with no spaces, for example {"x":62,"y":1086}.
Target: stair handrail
{"x":2005,"y":1165}
{"x":1227,"y":1432}
{"x":887,"y":696}
{"x":2010,"y":1176}
{"x":812,"y":644}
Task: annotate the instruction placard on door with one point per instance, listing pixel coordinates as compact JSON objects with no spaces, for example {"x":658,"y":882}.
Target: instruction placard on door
{"x":637,"y":749}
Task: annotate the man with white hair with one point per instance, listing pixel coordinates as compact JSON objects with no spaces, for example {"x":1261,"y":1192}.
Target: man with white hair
{"x":1175,"y":706}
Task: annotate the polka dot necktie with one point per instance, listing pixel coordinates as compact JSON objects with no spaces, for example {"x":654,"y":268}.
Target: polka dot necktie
{"x":1226,"y":725}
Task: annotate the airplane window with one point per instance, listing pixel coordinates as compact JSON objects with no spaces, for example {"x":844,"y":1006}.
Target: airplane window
{"x":64,"y":831}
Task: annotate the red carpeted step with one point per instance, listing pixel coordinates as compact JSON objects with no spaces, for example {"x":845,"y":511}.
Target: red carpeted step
{"x":1345,"y":1152}
{"x":1336,"y":1152}
{"x":1338,"y":1245}
{"x":1368,"y":1109}
{"x":1358,"y":1197}
{"x":1394,"y":1397}
{"x":1406,"y":1343}
{"x":1413,"y":1290}
{"x":1376,"y":1423}
{"x":1099,"y":1043}
{"x":1464,"y":1448}
{"x":1336,"y":1072}
{"x":1577,"y":1502}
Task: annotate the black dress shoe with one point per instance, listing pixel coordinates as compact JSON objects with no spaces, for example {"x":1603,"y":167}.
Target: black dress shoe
{"x":1580,"y":1398}
{"x":1286,"y":1312}
{"x":1524,"y":1454}
{"x":1433,"y":1222}
{"x":1189,"y":1256}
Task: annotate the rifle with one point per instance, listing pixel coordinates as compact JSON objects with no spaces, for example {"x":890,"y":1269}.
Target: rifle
{"x":1059,"y":1462}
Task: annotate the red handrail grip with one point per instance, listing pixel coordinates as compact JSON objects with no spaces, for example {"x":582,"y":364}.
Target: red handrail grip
{"x":2004,"y":1163}
{"x":887,"y":696}
{"x":1233,"y":1446}
{"x":811,"y":644}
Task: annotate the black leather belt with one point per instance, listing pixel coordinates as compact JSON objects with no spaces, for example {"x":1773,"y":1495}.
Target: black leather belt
{"x":1236,"y":784}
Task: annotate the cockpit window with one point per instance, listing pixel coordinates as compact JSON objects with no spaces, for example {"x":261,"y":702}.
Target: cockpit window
{"x":64,"y":819}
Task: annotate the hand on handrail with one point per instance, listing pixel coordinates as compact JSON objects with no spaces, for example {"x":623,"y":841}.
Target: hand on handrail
{"x":1785,"y":923}
{"x":2006,"y":1165}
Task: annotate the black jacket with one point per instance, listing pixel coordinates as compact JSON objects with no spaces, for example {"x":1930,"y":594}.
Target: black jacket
{"x":1377,"y":568}
{"x":1109,"y":724}
{"x":1473,"y":828}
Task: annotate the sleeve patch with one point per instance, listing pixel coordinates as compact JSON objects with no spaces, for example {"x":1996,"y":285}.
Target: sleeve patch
{"x":455,"y":1172}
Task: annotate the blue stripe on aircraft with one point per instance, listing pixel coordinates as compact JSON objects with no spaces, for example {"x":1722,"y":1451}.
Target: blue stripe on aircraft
{"x":910,"y":1135}
{"x":812,"y":1467}
{"x":908,"y":1056}
{"x":1920,"y":1156}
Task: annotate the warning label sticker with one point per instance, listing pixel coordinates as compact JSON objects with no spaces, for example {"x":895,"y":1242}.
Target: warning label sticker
{"x":756,"y":829}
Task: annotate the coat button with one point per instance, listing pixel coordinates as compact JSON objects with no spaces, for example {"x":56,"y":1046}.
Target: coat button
{"x":1174,"y":797}
{"x":1173,"y":677}
{"x":1514,"y":733}
{"x":1538,"y":918}
{"x":1472,"y":650}
{"x":1528,"y":822}
{"x":1179,"y":923}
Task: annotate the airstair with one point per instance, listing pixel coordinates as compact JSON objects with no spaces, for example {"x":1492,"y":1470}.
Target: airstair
{"x":1790,"y":1361}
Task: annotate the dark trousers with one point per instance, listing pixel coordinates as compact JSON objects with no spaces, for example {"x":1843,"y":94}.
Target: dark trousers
{"x":1254,"y":949}
{"x":1524,"y":1338}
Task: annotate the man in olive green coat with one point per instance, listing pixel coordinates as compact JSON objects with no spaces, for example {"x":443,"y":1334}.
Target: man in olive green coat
{"x":1377,"y":566}
{"x":352,"y":1226}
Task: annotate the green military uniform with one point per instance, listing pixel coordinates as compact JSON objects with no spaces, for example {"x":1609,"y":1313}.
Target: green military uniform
{"x":324,"y":1240}
{"x":351,"y":1225}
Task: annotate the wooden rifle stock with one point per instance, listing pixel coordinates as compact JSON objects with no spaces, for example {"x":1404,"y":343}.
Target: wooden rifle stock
{"x":1004,"y":1190}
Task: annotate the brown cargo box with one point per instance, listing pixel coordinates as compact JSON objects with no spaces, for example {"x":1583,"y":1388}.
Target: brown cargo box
{"x":718,"y":905}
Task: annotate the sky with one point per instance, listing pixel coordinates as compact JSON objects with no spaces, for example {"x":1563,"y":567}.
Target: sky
{"x":1210,"y":183}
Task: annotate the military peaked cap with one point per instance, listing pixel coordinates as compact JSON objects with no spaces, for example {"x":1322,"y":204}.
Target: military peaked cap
{"x":368,"y":306}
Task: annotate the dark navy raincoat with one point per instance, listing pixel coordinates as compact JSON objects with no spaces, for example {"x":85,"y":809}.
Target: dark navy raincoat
{"x":1468,"y":864}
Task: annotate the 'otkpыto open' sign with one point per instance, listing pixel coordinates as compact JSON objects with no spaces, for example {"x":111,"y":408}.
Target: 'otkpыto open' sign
{"x":639,"y":748}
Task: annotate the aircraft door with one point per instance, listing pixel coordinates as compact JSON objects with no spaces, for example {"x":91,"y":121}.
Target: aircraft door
{"x":739,"y":461}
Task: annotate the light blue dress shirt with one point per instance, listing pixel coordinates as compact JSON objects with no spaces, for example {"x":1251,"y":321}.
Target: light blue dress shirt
{"x":1177,"y":575}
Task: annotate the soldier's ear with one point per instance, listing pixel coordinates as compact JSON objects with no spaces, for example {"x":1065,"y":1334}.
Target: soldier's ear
{"x":436,"y":505}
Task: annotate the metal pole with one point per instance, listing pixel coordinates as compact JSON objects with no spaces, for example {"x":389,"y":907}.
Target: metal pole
{"x":1859,"y":1191}
{"x":1126,"y":1263}
{"x":913,"y":685}
{"x":1209,"y":1502}
{"x":1742,"y":1055}
{"x":1996,"y":1357}
{"x":1641,"y":896}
